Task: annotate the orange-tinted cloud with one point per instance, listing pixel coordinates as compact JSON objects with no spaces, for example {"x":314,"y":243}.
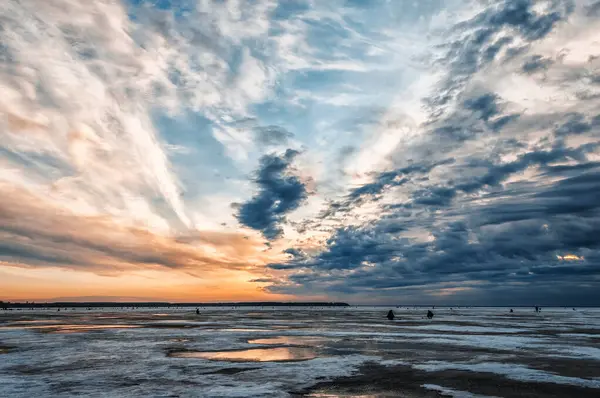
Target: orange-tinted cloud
{"x":35,"y":232}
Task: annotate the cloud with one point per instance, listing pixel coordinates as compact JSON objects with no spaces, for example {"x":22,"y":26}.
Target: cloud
{"x":484,"y":36}
{"x":34,"y":232}
{"x":272,"y":136}
{"x":452,"y":147}
{"x":536,"y":63}
{"x":504,"y":188}
{"x":279,"y":194}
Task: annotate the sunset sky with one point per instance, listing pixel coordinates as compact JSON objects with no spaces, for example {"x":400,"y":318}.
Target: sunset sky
{"x":368,"y":151}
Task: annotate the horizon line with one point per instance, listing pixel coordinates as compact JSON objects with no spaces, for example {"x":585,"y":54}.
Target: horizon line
{"x":57,"y":303}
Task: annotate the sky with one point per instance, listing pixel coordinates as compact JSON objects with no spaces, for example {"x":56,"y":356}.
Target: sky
{"x":367,"y":151}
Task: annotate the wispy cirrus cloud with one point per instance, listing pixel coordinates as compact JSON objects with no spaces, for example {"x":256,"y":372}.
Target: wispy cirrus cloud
{"x":38,"y":233}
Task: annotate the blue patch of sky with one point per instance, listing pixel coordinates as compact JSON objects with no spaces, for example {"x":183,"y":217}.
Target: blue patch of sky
{"x":203,"y":165}
{"x":179,"y":8}
{"x":341,"y":124}
{"x":290,"y":9}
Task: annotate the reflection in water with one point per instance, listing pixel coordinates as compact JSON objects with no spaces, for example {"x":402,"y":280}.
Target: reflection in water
{"x":65,"y":328}
{"x":252,"y":355}
{"x":290,"y":340}
{"x":84,"y":328}
{"x":37,"y":321}
{"x":241,"y":330}
{"x":325,"y":395}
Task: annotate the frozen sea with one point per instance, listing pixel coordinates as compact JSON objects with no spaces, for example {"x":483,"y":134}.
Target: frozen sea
{"x":299,"y":351}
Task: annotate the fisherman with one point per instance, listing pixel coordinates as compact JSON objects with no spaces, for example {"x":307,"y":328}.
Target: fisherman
{"x":197,"y":311}
{"x":429,"y":314}
{"x":511,"y":311}
{"x":390,"y":315}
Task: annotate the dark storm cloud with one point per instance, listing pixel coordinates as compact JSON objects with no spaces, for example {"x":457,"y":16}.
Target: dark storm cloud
{"x":435,"y":196}
{"x":295,"y":253}
{"x":536,"y":63}
{"x":486,"y":105}
{"x":478,"y":114}
{"x":518,"y":192}
{"x":479,"y":44}
{"x":381,"y":183}
{"x":498,"y":173}
{"x":575,"y":124}
{"x":519,"y":14}
{"x":594,"y":9}
{"x":272,"y":135}
{"x":279,"y":193}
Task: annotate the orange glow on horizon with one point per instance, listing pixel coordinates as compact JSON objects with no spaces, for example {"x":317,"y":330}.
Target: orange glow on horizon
{"x":47,"y":284}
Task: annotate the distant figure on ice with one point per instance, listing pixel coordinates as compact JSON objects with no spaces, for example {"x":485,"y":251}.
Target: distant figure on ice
{"x":537,"y":309}
{"x":390,"y":315}
{"x":429,"y":314}
{"x":511,"y":311}
{"x":197,"y":311}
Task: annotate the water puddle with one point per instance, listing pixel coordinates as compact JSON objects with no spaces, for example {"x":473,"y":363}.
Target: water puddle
{"x":242,"y":330}
{"x":278,"y":354}
{"x":84,"y":328}
{"x":341,"y":395}
{"x":36,"y":321}
{"x":290,"y":340}
{"x":66,"y":328}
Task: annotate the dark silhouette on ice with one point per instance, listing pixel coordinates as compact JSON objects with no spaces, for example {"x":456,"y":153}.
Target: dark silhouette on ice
{"x":429,"y":314}
{"x":390,"y":315}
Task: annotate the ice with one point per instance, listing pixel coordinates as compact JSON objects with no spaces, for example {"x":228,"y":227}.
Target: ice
{"x":468,"y":329}
{"x":135,"y":358}
{"x":511,"y":371}
{"x":450,"y":392}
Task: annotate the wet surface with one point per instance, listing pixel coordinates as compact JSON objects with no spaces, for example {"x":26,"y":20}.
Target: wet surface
{"x":403,"y":381}
{"x":290,"y":340}
{"x":253,"y":355}
{"x":62,"y":328}
{"x":280,"y":352}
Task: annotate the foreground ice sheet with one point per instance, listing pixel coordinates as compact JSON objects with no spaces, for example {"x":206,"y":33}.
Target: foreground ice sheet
{"x":272,"y":352}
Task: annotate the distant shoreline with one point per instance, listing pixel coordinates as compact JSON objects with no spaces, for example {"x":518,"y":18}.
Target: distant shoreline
{"x":160,"y":304}
{"x":108,"y":304}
